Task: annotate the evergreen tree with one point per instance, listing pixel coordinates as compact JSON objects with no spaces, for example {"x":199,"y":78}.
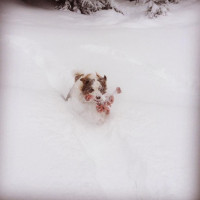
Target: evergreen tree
{"x":86,"y":6}
{"x":154,"y":7}
{"x":158,"y":7}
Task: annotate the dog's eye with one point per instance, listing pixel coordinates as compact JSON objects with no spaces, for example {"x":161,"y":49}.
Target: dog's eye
{"x":91,"y":90}
{"x":102,"y":90}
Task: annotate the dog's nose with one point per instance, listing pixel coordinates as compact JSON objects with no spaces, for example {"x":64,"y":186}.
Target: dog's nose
{"x":98,"y":97}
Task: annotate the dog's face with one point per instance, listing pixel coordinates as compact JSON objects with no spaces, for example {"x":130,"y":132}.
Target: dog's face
{"x":92,"y":84}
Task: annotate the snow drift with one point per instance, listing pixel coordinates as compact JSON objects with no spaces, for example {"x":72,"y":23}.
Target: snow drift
{"x":147,"y":149}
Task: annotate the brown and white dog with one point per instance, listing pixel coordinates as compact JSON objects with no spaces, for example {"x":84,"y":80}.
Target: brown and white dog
{"x":89,"y":97}
{"x":88,"y":87}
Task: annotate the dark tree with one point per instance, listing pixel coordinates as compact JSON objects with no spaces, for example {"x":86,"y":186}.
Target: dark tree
{"x":154,"y":7}
{"x":86,"y":6}
{"x":158,"y":7}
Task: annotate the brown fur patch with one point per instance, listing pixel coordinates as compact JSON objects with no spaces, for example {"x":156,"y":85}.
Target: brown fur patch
{"x":103,"y":83}
{"x":77,"y":76}
{"x":87,"y":85}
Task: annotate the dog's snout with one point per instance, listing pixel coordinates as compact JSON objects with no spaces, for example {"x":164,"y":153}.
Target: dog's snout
{"x":98,"y":97}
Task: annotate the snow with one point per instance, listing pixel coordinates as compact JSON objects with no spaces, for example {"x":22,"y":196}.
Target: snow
{"x":146,"y":149}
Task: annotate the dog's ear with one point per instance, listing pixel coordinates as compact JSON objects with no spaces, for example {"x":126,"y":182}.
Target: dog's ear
{"x":98,"y":75}
{"x":82,"y":79}
{"x":105,"y":78}
{"x":77,"y":76}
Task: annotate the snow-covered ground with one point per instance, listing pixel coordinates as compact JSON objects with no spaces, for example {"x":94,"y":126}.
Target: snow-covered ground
{"x":146,"y":149}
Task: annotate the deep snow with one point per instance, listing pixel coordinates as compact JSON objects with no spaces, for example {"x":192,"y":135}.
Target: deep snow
{"x":147,"y":148}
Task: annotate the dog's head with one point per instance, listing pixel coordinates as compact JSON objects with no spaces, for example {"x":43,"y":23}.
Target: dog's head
{"x":92,"y":84}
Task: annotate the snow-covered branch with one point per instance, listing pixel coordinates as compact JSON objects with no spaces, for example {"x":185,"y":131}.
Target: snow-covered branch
{"x":86,"y":6}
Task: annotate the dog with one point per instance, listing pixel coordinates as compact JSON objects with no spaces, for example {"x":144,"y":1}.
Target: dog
{"x":89,"y":98}
{"x":86,"y":95}
{"x":88,"y":87}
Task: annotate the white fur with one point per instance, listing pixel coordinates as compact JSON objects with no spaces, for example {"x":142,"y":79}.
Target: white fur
{"x":96,"y":85}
